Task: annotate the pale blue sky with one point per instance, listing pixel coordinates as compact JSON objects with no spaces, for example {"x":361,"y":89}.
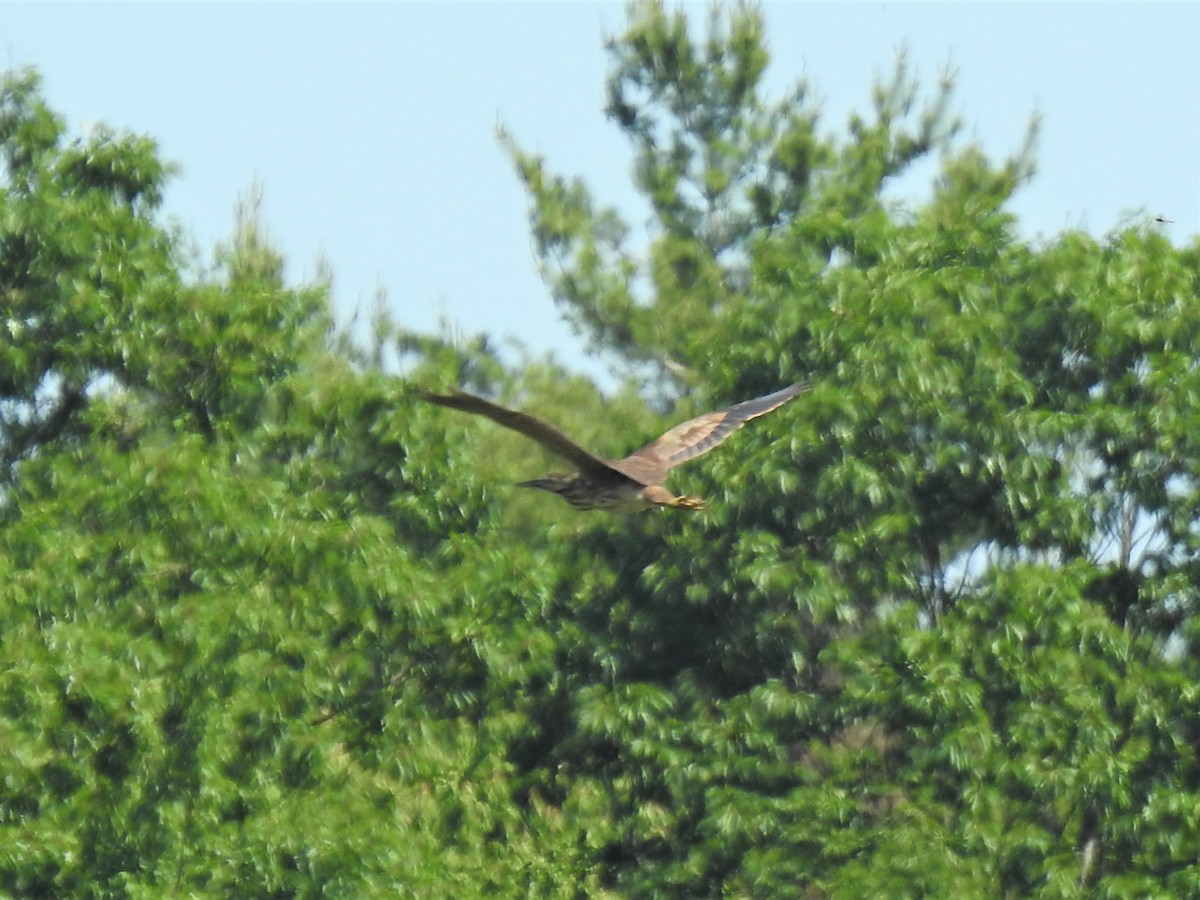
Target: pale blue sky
{"x":371,"y":126}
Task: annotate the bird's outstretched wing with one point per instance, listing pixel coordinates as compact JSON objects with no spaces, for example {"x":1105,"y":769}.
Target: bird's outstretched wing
{"x":692,"y":438}
{"x":530,"y":426}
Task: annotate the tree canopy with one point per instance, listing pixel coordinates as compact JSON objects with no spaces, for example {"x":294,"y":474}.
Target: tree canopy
{"x":270,"y":626}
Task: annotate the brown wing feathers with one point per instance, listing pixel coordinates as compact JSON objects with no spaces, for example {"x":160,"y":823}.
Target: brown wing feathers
{"x":530,"y":426}
{"x":648,"y":465}
{"x":699,"y":435}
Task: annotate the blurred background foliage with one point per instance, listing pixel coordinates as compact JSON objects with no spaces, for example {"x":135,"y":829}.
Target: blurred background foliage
{"x":271,"y":627}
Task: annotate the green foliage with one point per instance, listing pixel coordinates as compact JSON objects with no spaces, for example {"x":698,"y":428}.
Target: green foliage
{"x":725,"y":173}
{"x":270,"y":627}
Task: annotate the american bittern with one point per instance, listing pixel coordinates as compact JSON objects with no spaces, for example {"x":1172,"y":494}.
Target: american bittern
{"x":632,"y":483}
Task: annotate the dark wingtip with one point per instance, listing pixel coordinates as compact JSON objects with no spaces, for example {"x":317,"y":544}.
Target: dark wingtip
{"x":797,"y":388}
{"x":451,"y":398}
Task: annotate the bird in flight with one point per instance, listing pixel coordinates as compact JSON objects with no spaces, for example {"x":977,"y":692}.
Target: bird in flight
{"x":629,"y":484}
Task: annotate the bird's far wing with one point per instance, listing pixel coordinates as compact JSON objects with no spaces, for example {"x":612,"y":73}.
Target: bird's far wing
{"x":689,"y":440}
{"x":530,"y":426}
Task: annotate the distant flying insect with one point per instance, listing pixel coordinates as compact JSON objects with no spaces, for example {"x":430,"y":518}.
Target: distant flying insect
{"x":635,"y":482}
